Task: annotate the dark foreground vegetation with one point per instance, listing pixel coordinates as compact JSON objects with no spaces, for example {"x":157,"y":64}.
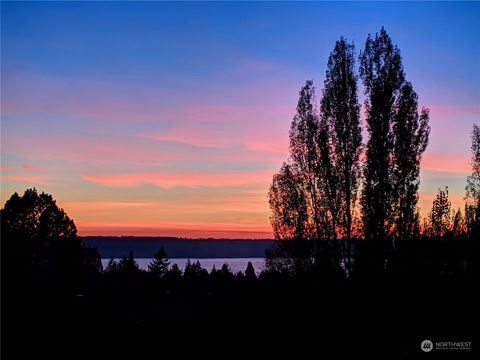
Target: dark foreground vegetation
{"x":55,"y":294}
{"x":356,"y":281}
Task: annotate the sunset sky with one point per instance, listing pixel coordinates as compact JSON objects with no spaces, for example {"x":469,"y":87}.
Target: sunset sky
{"x":171,"y":118}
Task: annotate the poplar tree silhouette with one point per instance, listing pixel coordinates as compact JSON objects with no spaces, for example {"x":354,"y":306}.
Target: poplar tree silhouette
{"x":288,"y":204}
{"x":398,"y":136}
{"x":410,"y":134}
{"x":472,"y":206}
{"x":298,"y":195}
{"x":382,"y":74}
{"x":306,"y":160}
{"x":341,"y":112}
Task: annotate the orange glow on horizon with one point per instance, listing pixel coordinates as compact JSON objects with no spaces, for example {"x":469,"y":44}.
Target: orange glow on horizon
{"x":180,"y":230}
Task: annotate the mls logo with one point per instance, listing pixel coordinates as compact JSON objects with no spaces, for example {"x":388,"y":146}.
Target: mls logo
{"x":426,"y":345}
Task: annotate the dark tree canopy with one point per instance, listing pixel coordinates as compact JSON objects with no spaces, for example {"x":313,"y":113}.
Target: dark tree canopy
{"x":39,"y":238}
{"x":289,"y":207}
{"x":33,"y":216}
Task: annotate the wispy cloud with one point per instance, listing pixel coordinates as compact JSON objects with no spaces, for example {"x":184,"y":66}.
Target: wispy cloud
{"x":447,"y":163}
{"x":452,"y":111}
{"x":168,"y":181}
{"x":29,"y":180}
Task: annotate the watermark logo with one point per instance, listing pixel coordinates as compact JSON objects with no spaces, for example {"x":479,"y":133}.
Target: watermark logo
{"x":453,"y":345}
{"x":426,"y":345}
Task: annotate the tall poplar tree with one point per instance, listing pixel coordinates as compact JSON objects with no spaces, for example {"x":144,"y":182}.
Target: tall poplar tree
{"x":410,"y":139}
{"x":382,"y":73}
{"x":341,"y":112}
{"x":472,"y":206}
{"x":398,"y":136}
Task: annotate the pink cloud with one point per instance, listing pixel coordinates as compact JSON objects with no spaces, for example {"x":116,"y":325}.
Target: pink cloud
{"x":233,"y":201}
{"x":224,"y":125}
{"x":195,"y":135}
{"x":169,"y":181}
{"x":29,"y":179}
{"x":447,"y":163}
{"x":267,"y":139}
{"x":127,"y":102}
{"x":453,"y":111}
{"x":133,"y":152}
{"x":29,"y":167}
{"x":22,"y":167}
{"x":85,"y":149}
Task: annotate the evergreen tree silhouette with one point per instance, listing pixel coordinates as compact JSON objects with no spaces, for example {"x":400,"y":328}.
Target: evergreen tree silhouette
{"x":112,"y":266}
{"x":128,"y":265}
{"x":159,"y":264}
{"x":441,"y":215}
{"x":174,"y":274}
{"x":458,"y":224}
{"x":225,"y":270}
{"x":250,"y":271}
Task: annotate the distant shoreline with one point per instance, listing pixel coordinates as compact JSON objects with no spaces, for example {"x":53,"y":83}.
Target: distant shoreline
{"x":146,"y":246}
{"x":172,"y":237}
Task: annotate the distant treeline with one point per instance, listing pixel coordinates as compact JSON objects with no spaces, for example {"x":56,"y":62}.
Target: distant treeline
{"x":145,"y":247}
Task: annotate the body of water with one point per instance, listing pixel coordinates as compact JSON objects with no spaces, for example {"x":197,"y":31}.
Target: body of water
{"x":235,"y":264}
